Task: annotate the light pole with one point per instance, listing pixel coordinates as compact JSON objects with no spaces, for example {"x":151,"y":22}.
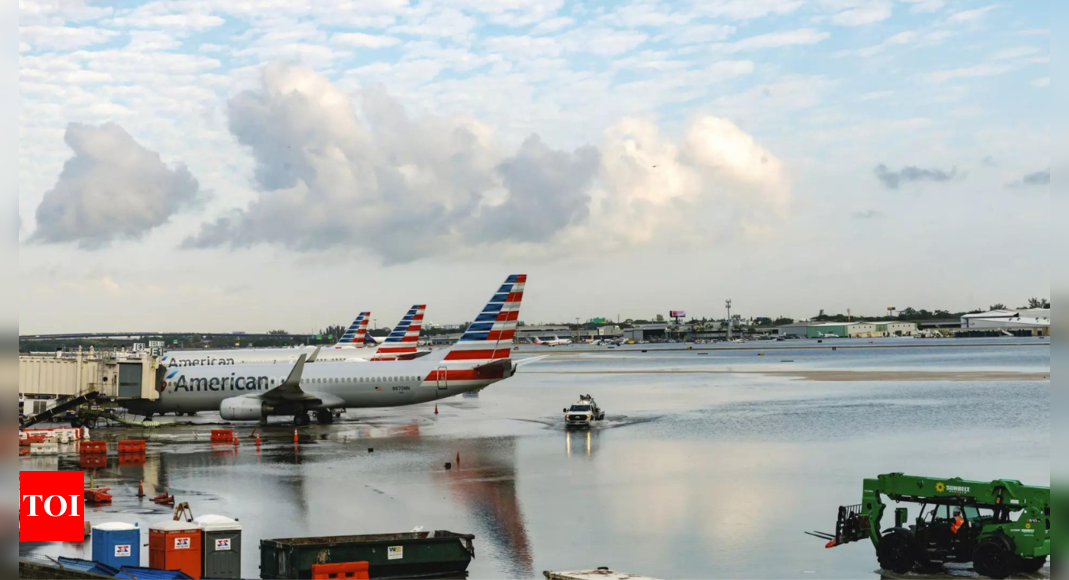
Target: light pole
{"x":730,"y":321}
{"x":578,"y":331}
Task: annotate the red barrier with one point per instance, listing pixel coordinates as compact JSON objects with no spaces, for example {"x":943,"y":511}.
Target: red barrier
{"x":98,"y":496}
{"x":222,"y":436}
{"x":354,"y":570}
{"x":24,"y":451}
{"x":93,"y":448}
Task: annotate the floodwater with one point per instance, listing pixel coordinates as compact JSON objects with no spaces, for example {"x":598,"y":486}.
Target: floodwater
{"x":697,"y":473}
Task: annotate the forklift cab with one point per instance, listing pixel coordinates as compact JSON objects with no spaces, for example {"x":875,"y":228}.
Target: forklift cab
{"x":938,"y":525}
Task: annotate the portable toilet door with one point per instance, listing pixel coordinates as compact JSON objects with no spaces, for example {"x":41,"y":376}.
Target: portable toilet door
{"x":117,"y":545}
{"x":176,"y":546}
{"x":222,"y":546}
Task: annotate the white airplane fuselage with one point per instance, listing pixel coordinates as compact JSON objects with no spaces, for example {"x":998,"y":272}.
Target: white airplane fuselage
{"x":334,"y":385}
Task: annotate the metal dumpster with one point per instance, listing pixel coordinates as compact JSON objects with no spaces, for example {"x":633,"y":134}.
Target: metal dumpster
{"x":412,"y":555}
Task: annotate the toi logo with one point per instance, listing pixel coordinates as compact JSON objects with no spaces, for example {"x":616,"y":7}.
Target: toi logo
{"x":51,"y":506}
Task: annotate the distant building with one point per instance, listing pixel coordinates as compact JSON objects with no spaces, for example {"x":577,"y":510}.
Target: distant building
{"x":895,"y":328}
{"x":849,"y":329}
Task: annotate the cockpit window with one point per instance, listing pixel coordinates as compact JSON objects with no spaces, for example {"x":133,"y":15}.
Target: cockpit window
{"x":580,"y":409}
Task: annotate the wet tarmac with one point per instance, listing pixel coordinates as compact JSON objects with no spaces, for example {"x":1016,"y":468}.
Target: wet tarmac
{"x":692,"y":475}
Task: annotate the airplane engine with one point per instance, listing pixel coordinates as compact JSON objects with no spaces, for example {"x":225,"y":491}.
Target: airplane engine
{"x":243,"y":409}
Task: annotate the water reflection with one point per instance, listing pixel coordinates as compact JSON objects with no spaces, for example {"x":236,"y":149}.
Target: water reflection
{"x":583,"y":442}
{"x":485,"y":483}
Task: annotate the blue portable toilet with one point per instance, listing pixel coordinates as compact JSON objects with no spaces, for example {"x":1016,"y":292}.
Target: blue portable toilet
{"x":117,"y":545}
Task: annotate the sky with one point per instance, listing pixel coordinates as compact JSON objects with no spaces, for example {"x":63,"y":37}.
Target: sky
{"x":215,"y":165}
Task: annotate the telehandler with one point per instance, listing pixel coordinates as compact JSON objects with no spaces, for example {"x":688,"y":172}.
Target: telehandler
{"x":1002,"y":527}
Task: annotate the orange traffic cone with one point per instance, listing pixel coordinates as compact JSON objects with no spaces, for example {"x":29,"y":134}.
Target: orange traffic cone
{"x":141,"y":488}
{"x":436,"y":409}
{"x":296,"y":439}
{"x":257,"y":439}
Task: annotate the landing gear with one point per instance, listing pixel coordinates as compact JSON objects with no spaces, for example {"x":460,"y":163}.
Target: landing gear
{"x":325,"y":417}
{"x":896,"y":552}
{"x":302,"y":419}
{"x":994,"y":559}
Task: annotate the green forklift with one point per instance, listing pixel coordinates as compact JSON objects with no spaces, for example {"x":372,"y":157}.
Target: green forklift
{"x":1002,"y":527}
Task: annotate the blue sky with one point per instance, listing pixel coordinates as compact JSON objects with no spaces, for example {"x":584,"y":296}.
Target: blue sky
{"x":230,"y":160}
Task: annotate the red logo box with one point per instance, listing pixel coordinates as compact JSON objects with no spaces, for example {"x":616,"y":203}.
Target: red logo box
{"x":51,"y":506}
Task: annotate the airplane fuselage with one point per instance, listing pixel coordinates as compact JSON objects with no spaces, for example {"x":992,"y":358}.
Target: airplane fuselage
{"x":193,"y":358}
{"x":338,"y":385}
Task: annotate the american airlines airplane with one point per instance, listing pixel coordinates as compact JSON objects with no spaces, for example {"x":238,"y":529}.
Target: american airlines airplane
{"x":480,"y":358}
{"x":353,"y":346}
{"x":556,"y":341}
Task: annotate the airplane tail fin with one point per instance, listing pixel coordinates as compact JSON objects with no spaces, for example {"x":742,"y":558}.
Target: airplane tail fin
{"x":403,"y":342}
{"x":357,"y":333}
{"x":490,"y":336}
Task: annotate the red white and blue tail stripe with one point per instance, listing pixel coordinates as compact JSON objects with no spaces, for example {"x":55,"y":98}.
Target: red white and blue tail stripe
{"x":490,"y":336}
{"x":357,"y":333}
{"x":404,"y":340}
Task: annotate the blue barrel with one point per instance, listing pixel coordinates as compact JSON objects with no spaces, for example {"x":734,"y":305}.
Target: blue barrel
{"x":117,"y":545}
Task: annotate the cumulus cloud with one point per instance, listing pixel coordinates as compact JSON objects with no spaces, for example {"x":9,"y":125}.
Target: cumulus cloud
{"x":361,"y":40}
{"x":1037,"y":179}
{"x":912,"y":174}
{"x":113,"y":188}
{"x":548,"y":191}
{"x":336,"y":172}
{"x":64,"y":38}
{"x":860,"y":13}
{"x":801,"y":37}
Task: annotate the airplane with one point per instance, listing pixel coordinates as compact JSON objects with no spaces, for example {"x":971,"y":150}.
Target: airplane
{"x":403,"y":342}
{"x":557,"y":341}
{"x":254,"y":392}
{"x":355,"y":345}
{"x":828,"y":335}
{"x":355,"y":335}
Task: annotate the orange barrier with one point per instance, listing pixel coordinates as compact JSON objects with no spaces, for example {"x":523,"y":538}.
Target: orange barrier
{"x":24,"y":450}
{"x":98,"y":496}
{"x":354,"y":570}
{"x":222,"y":436}
{"x":93,"y":448}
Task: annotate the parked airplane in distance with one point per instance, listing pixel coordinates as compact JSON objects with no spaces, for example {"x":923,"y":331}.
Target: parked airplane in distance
{"x":556,"y":341}
{"x":354,"y":346}
{"x":254,"y":392}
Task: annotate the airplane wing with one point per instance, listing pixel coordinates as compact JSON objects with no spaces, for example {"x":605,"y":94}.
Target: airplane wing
{"x":290,"y":389}
{"x":526,"y":361}
{"x":315,"y":354}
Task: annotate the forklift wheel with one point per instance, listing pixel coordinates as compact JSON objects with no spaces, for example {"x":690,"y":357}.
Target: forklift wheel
{"x":896,"y":552}
{"x":994,"y":559}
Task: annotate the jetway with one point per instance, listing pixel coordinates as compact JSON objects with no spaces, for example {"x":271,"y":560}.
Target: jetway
{"x":111,"y":374}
